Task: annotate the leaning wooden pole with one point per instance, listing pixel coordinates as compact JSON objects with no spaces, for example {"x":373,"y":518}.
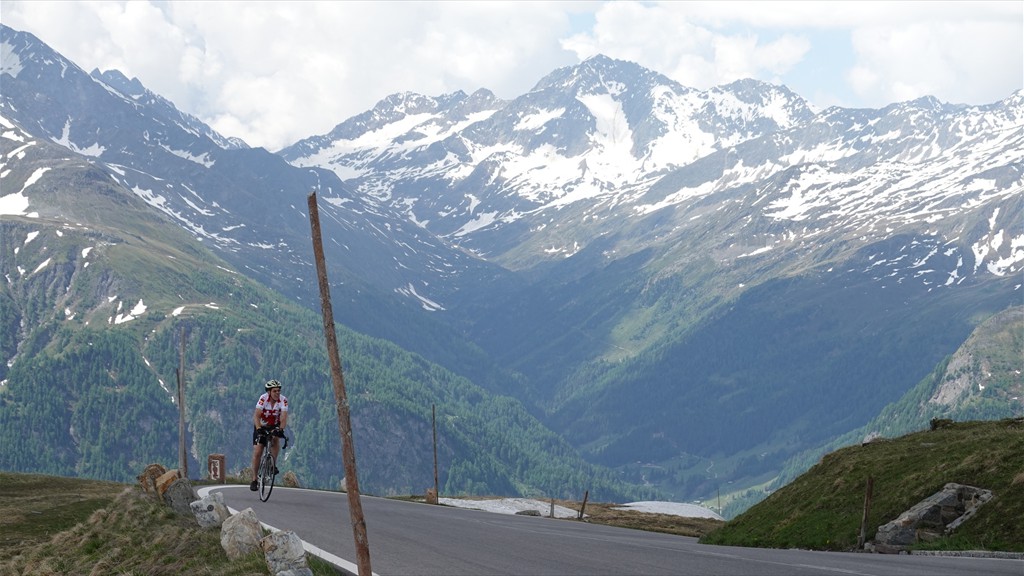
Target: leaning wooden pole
{"x":355,"y":507}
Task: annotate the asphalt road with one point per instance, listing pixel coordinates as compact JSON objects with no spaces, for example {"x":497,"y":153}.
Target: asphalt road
{"x":407,"y":538}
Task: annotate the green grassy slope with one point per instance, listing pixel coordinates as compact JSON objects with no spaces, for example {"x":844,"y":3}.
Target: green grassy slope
{"x":822,"y":509}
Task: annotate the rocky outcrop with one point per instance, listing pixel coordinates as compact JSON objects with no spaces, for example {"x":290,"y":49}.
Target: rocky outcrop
{"x":936,"y":516}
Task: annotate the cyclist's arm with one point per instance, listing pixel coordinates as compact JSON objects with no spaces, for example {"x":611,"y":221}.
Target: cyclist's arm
{"x":284,"y":420}
{"x":257,"y":416}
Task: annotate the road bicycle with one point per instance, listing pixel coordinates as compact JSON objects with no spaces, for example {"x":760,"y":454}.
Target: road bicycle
{"x":267,"y":470}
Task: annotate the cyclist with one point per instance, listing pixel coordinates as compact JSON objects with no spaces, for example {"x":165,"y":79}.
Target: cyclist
{"x":271,"y":414}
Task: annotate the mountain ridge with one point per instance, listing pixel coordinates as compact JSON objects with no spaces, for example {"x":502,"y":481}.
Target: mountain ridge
{"x":610,"y":254}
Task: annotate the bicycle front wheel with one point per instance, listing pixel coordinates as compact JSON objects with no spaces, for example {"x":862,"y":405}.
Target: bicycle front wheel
{"x":266,"y":479}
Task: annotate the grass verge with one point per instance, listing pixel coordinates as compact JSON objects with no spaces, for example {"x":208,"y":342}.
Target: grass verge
{"x":57,"y":526}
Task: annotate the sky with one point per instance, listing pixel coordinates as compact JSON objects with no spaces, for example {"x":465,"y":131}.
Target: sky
{"x":273,"y":73}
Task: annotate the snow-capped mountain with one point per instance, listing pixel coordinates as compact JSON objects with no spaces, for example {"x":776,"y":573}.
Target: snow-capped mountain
{"x":675,"y":274}
{"x":594,"y":133}
{"x":607,"y":141}
{"x":246,"y":202}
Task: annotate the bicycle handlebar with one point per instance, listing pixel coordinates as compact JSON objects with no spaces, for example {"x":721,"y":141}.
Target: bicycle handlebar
{"x":266,"y":432}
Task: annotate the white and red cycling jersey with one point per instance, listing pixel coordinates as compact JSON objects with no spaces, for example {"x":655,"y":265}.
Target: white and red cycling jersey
{"x":271,"y":411}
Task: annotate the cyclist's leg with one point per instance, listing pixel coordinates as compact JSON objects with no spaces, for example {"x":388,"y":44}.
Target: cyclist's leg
{"x":257,"y":453}
{"x":275,"y":450}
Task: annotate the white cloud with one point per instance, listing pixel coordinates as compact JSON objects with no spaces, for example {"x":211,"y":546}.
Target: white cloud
{"x":943,"y":58}
{"x":698,"y":44}
{"x":968,"y":52}
{"x":274,"y":72}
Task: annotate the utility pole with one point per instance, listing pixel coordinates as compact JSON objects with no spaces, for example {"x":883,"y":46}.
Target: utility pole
{"x":182,"y":455}
{"x":433,"y":419}
{"x":355,"y":507}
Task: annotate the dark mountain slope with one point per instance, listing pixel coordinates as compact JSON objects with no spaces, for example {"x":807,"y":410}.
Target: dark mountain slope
{"x":790,"y":361}
{"x":390,"y":278}
{"x":99,"y":289}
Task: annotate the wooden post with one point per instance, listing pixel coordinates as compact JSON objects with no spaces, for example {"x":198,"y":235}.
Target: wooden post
{"x":586,"y":494}
{"x":867,"y":510}
{"x":355,"y":506}
{"x":182,"y":455}
{"x":433,"y":418}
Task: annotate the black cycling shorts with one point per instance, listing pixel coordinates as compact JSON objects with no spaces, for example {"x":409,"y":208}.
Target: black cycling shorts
{"x":256,"y":436}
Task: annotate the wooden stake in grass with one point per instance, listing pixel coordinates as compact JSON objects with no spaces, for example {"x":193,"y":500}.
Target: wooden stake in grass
{"x":867,"y":510}
{"x":341,"y":399}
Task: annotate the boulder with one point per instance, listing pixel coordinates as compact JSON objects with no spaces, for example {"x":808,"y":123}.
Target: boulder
{"x":210,"y":510}
{"x":180,"y":495}
{"x":240,"y":534}
{"x":283,"y":552}
{"x":931,"y":518}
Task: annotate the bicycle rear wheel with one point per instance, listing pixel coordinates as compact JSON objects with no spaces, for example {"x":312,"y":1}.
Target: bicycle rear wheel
{"x":266,"y":477}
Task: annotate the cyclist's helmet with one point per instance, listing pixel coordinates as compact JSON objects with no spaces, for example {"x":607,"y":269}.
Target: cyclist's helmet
{"x":272,"y":384}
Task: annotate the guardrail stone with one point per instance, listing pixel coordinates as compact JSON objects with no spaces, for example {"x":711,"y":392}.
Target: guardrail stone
{"x":210,"y":510}
{"x":241,"y":534}
{"x":284,"y":553}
